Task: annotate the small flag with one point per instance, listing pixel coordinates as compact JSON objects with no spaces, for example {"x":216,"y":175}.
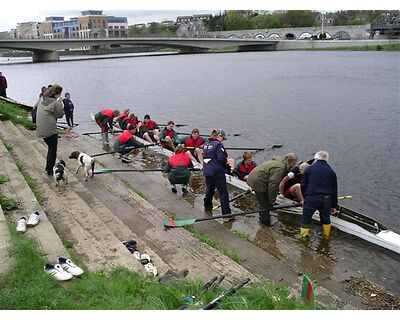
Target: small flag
{"x":307,"y":291}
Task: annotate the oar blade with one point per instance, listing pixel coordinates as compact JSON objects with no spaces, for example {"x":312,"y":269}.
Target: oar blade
{"x":172,"y":223}
{"x":101,"y":170}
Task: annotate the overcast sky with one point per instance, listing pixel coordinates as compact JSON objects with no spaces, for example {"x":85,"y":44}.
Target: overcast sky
{"x":15,"y":11}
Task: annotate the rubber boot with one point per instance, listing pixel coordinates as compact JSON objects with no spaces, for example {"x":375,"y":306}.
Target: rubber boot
{"x":304,"y":232}
{"x":326,"y":231}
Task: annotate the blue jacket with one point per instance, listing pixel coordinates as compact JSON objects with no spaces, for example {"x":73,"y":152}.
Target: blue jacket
{"x":319,"y":178}
{"x":214,"y":156}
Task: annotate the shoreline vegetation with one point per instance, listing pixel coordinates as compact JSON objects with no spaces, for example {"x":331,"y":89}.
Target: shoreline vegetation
{"x":26,"y":286}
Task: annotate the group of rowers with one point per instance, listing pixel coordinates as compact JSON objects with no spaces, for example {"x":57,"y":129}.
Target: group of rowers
{"x":283,"y":177}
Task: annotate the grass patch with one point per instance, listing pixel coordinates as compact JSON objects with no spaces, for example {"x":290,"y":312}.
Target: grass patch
{"x":379,"y":47}
{"x":31,"y":183}
{"x":3,"y":179}
{"x":242,"y":235}
{"x":16,"y":115}
{"x":214,"y":244}
{"x":28,"y":287}
{"x":130,"y":186}
{"x":7,"y":203}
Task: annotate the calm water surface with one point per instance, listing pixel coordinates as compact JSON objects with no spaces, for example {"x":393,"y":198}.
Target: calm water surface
{"x":344,"y":102}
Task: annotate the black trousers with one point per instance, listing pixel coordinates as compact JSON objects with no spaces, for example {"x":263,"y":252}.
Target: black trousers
{"x":265,"y":217}
{"x":51,"y":153}
{"x":3,"y":93}
{"x":70,"y":119}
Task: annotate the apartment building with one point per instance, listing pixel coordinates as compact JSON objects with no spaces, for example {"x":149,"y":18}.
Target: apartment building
{"x":117,"y":27}
{"x":93,"y":24}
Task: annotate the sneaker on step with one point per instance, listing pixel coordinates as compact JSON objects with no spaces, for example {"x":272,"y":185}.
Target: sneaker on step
{"x":144,"y":258}
{"x":151,"y":269}
{"x":173,"y":189}
{"x":137,"y":254}
{"x":21,"y":225}
{"x":57,"y":272}
{"x":33,"y":219}
{"x":69,"y":266}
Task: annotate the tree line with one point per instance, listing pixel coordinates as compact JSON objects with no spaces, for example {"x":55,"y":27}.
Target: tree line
{"x":250,"y":19}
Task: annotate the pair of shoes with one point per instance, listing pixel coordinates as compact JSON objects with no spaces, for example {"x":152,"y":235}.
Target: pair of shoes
{"x":150,"y":268}
{"x":32,"y":221}
{"x":64,"y":270}
{"x":173,"y":189}
{"x":145,"y":261}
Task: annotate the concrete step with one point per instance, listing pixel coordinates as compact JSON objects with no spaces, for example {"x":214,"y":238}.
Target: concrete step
{"x":5,"y":260}
{"x":177,"y":247}
{"x":118,"y":228}
{"x":46,"y":237}
{"x":93,"y":241}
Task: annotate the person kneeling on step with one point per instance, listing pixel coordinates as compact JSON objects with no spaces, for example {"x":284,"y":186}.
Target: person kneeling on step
{"x":320,"y":190}
{"x":178,"y":168}
{"x":126,"y":142}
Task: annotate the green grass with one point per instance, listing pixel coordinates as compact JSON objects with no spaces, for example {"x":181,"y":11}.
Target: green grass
{"x":242,"y":235}
{"x":3,"y":179}
{"x":16,"y":115}
{"x":31,"y":183}
{"x":26,"y":286}
{"x":7,"y":203}
{"x":214,"y":244}
{"x":130,"y":186}
{"x":379,"y":47}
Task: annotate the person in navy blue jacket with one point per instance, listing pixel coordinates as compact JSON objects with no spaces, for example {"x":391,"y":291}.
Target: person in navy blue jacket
{"x":214,"y":163}
{"x":320,"y":191}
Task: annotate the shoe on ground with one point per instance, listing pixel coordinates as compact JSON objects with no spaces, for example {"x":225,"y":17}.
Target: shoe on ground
{"x":150,"y":268}
{"x":129,"y":242}
{"x":70,"y":267}
{"x":144,"y":256}
{"x":21,"y":225}
{"x":33,"y":219}
{"x":57,"y":272}
{"x":137,"y":254}
{"x":173,"y":189}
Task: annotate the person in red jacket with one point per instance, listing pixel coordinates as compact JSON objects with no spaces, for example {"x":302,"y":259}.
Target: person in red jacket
{"x":178,"y":168}
{"x":104,"y":119}
{"x":168,"y":136}
{"x":120,"y":121}
{"x":3,"y":86}
{"x":149,"y":130}
{"x":126,"y":142}
{"x":192,"y":144}
{"x":244,"y":166}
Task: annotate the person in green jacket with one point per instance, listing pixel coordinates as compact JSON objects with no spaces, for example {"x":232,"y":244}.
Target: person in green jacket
{"x":178,"y":168}
{"x":48,"y":110}
{"x":264,"y":181}
{"x":168,"y":137}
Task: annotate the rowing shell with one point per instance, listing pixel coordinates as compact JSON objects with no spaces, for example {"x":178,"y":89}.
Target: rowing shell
{"x":346,"y":220}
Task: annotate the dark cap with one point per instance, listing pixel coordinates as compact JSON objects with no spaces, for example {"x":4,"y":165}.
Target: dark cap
{"x":146,"y":116}
{"x":222,"y":133}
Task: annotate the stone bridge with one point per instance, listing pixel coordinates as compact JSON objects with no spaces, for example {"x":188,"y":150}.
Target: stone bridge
{"x":356,"y":32}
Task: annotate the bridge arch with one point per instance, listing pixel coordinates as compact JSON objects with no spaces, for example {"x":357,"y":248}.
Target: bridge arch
{"x":274,"y":36}
{"x":259,"y":36}
{"x":233,"y":36}
{"x":341,"y":35}
{"x":305,"y":36}
{"x":328,"y":36}
{"x":246,"y":36}
{"x":290,"y":36}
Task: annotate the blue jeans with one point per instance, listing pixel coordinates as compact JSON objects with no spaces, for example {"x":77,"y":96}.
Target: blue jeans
{"x":322,"y":203}
{"x":218,"y":181}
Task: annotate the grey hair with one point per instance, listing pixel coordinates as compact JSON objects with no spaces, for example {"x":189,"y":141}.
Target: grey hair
{"x":322,"y":155}
{"x":291,"y":157}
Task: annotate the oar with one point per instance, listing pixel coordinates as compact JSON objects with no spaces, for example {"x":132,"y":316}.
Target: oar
{"x":234,"y":198}
{"x":62,"y":122}
{"x":204,"y":135}
{"x":88,"y":133}
{"x":177,"y":125}
{"x":104,"y":170}
{"x":345,"y":197}
{"x":171,"y":223}
{"x":127,"y":148}
{"x":238,"y":148}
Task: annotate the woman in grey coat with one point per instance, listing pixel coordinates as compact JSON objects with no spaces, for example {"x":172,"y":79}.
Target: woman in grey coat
{"x":49,"y":109}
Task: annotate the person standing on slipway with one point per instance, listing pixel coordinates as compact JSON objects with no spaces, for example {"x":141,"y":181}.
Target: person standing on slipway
{"x":3,"y":86}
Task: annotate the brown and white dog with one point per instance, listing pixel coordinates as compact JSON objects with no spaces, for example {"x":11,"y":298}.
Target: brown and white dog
{"x":84,"y":161}
{"x":60,"y":174}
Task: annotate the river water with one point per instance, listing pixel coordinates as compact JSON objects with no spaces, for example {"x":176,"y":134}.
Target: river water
{"x":347,"y":103}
